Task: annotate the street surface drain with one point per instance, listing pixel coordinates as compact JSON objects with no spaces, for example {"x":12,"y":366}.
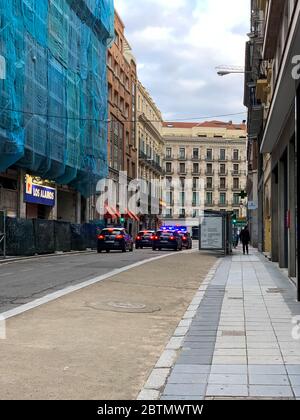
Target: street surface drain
{"x":127,"y":307}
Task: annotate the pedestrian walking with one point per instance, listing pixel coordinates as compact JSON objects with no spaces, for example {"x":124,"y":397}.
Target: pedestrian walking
{"x":245,"y":239}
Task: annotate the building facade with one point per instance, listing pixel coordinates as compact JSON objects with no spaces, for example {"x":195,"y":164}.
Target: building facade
{"x":122,"y":92}
{"x":53,"y":98}
{"x":272,"y":97}
{"x":151,"y":149}
{"x":208,"y":161}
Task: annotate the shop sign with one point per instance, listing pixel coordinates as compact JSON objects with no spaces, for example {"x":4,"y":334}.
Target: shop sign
{"x":37,"y":193}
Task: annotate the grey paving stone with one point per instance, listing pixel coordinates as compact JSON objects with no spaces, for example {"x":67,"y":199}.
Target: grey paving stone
{"x":229,"y":369}
{"x":293,"y":369}
{"x":295,"y":380}
{"x":184,"y":389}
{"x":201,"y":360}
{"x":202,"y":369}
{"x":188,"y":378}
{"x":228,"y":379}
{"x":227,"y":390}
{"x":270,"y":391}
{"x":296,"y":390}
{"x":268,"y":380}
{"x":267,"y":370}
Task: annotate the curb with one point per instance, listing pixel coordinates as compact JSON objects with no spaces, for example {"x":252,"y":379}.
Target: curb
{"x":9,"y":260}
{"x":158,"y":378}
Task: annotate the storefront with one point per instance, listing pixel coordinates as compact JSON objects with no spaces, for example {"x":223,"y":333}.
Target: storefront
{"x":9,"y":192}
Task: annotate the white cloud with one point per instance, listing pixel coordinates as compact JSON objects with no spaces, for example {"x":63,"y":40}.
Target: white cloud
{"x":178,"y":44}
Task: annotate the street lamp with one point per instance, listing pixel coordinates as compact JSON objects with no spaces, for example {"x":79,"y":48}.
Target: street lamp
{"x":225,"y":70}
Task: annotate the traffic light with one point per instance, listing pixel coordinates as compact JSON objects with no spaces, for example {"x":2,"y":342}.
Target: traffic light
{"x":243,"y":194}
{"x":234,"y":219}
{"x":122,"y":220}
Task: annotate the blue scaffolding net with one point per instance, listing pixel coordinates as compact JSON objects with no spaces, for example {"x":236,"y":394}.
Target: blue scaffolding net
{"x":53,"y":100}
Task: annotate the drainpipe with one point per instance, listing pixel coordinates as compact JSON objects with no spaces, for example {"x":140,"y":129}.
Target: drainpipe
{"x":298,"y":195}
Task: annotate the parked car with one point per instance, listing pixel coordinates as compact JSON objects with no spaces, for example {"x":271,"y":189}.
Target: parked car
{"x":167,"y":240}
{"x":186,"y":240}
{"x":114,"y":239}
{"x":144,"y":239}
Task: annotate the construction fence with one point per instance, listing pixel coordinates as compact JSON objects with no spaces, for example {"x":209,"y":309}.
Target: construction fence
{"x":38,"y":237}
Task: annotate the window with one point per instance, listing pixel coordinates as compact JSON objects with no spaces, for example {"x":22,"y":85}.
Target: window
{"x":195,"y":153}
{"x":236,"y":168}
{"x":195,"y":183}
{"x":182,"y":199}
{"x":196,"y":201}
{"x":236,"y":154}
{"x":110,"y":92}
{"x":169,"y":182}
{"x":236,"y":199}
{"x":122,"y":104}
{"x":222,"y":183}
{"x":182,"y":153}
{"x":133,"y":170}
{"x":222,"y":154}
{"x":222,"y":169}
{"x":109,"y":59}
{"x":209,"y":169}
{"x":169,"y":197}
{"x":182,"y":168}
{"x":182,"y":183}
{"x":209,"y":183}
{"x":195,"y":213}
{"x":182,"y":214}
{"x":116,"y":98}
{"x":209,"y":154}
{"x":236,"y":183}
{"x":168,"y":167}
{"x":209,"y":199}
{"x":195,"y":168}
{"x":223,"y":198}
{"x":127,"y":110}
{"x":169,"y":152}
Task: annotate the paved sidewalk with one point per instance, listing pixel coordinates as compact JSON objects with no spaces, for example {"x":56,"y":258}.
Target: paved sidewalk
{"x":239,"y":341}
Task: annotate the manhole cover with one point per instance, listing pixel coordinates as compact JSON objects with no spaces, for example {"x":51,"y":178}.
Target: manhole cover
{"x":276,"y":290}
{"x":127,"y":307}
{"x":122,"y":305}
{"x":233,"y":333}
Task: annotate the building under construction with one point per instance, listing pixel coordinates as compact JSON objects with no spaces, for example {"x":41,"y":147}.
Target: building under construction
{"x":53,"y":105}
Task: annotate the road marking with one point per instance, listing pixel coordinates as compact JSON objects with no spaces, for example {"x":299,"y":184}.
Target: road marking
{"x":71,"y":289}
{"x":6,"y":274}
{"x":26,"y":270}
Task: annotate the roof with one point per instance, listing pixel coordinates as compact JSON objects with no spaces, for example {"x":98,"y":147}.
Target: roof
{"x":207,"y":124}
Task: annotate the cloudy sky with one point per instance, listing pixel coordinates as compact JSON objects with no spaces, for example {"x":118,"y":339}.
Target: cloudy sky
{"x":178,"y":44}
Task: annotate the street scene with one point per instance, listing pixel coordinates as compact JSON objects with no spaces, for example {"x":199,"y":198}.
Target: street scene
{"x":149,"y":202}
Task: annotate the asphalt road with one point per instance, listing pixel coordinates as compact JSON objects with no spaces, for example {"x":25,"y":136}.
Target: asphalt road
{"x":27,"y":280}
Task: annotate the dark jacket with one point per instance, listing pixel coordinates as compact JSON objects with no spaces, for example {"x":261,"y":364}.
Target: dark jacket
{"x":245,"y":236}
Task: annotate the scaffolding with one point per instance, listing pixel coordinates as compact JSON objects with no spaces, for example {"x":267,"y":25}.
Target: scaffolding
{"x":53,"y":101}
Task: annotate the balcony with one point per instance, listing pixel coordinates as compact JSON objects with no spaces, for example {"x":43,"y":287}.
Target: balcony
{"x":196,"y":173}
{"x":223,"y":204}
{"x":182,"y":158}
{"x":235,"y":204}
{"x":209,"y":187}
{"x":168,"y":158}
{"x":196,"y":158}
{"x":236,"y":189}
{"x":209,"y":203}
{"x":223,"y":173}
{"x":223,"y":188}
{"x":209,"y":173}
{"x":208,"y":159}
{"x":182,"y":172}
{"x":171,"y":172}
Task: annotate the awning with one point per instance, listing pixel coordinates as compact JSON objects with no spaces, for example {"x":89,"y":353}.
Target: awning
{"x":110,"y":213}
{"x":132,"y":215}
